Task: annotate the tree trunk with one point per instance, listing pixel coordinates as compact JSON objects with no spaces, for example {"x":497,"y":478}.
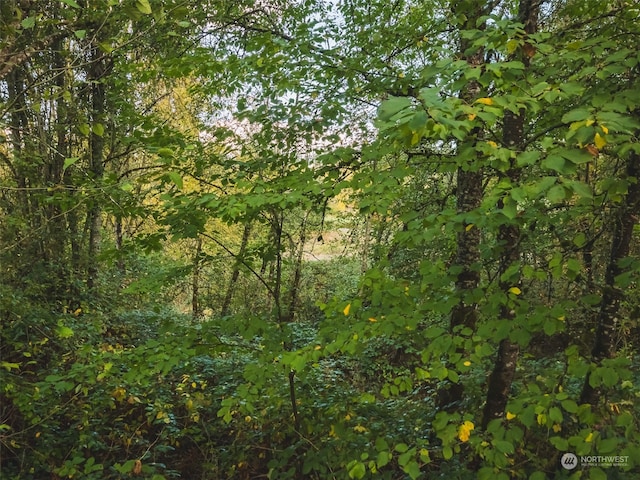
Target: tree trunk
{"x":97,"y":70}
{"x":508,"y":242}
{"x":297,"y":273}
{"x":235,"y":274}
{"x":625,"y":220}
{"x":468,"y":199}
{"x":195,"y":281}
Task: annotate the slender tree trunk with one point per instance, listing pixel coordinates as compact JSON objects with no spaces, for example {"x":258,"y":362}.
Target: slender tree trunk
{"x":97,"y":70}
{"x":297,"y":273}
{"x":235,"y":274}
{"x":468,"y":198}
{"x":468,"y":183}
{"x":195,"y":280}
{"x":625,"y":219}
{"x":509,"y":243}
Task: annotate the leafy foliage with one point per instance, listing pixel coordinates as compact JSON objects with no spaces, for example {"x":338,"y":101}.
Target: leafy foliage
{"x":230,"y":239}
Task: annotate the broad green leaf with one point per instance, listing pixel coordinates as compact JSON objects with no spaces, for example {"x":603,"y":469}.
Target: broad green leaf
{"x":391,"y":106}
{"x":68,"y":162}
{"x":98,"y":129}
{"x":28,"y":22}
{"x":358,"y":470}
{"x":576,"y":115}
{"x":176,"y":178}
{"x":554,"y":162}
{"x":447,"y":452}
{"x":144,"y":7}
{"x":84,"y":129}
{"x":556,"y":194}
{"x":63,"y":331}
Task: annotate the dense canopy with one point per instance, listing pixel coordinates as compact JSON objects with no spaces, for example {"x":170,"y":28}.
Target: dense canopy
{"x":319,"y":239}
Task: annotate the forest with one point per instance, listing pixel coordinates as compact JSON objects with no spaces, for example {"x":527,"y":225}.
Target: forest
{"x":319,"y":239}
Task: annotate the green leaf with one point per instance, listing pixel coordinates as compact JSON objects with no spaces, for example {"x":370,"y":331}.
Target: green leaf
{"x":555,"y":414}
{"x":143,"y":6}
{"x":504,"y":447}
{"x":391,"y":106}
{"x":401,"y":448}
{"x":577,"y":156}
{"x":176,"y":178}
{"x":357,"y":470}
{"x":556,"y":194}
{"x":554,"y":162}
{"x":383,"y":458}
{"x":608,"y":445}
{"x":447,"y":452}
{"x":84,"y":129}
{"x":412,"y":469}
{"x":576,"y":115}
{"x":561,"y":444}
{"x":597,"y":474}
{"x":28,"y":22}
{"x":9,"y":365}
{"x":80,"y":34}
{"x":71,"y":3}
{"x":63,"y":331}
{"x":98,"y":129}
{"x":68,"y":162}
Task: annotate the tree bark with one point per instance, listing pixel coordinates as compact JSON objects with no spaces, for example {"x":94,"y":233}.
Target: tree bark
{"x":508,"y":240}
{"x":625,"y":220}
{"x":235,"y":274}
{"x":195,"y":280}
{"x":97,"y":70}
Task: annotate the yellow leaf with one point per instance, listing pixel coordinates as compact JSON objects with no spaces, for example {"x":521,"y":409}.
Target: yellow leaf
{"x":332,"y":431}
{"x":464,"y":432}
{"x":510,"y":416}
{"x":119,"y":393}
{"x":590,"y":122}
{"x":248,"y":418}
{"x":467,"y":363}
{"x":556,"y":428}
{"x":424,"y":455}
{"x":485,"y":101}
{"x":317,"y":347}
{"x":604,"y":129}
{"x":471,"y":116}
{"x":468,"y":227}
{"x":599,"y":141}
{"x":360,"y":429}
{"x":137,"y":467}
{"x":347,"y":309}
{"x":515,"y":290}
{"x":589,"y":437}
{"x":562,"y":318}
{"x":372,"y":320}
{"x":541,"y":419}
{"x":492,"y":143}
